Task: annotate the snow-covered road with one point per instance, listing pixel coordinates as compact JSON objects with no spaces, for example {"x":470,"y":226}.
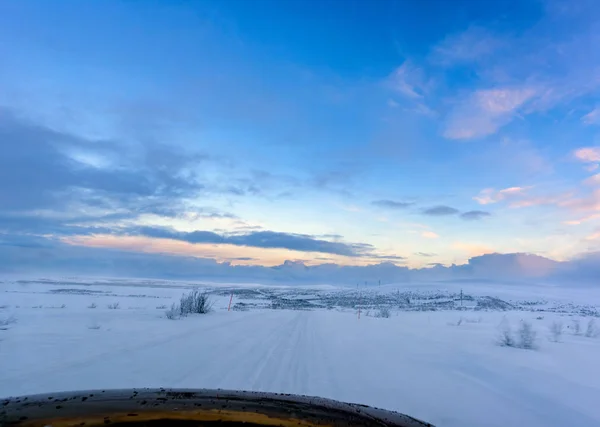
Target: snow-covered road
{"x":414,"y":362}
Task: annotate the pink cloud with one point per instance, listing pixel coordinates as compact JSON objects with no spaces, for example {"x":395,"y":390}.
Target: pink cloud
{"x":501,"y":101}
{"x":592,"y":118}
{"x":489,"y":195}
{"x":473,"y":249}
{"x":485,"y":112}
{"x":593,"y":180}
{"x":583,"y":219}
{"x":519,"y":197}
{"x":588,"y":203}
{"x":588,"y":154}
{"x":429,"y":235}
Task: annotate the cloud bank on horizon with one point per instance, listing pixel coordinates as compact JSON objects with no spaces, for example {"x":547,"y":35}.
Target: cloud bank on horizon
{"x":226,"y":138}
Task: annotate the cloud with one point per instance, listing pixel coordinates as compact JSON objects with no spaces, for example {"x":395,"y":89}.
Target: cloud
{"x":440,"y":210}
{"x":489,"y":195}
{"x":473,"y":249}
{"x":474,"y":215}
{"x":593,"y":180}
{"x":592,"y":118}
{"x":593,"y":236}
{"x":588,"y":154}
{"x":583,"y":219}
{"x":514,"y":74}
{"x":425,"y":254}
{"x":391,"y":204}
{"x":475,"y":44}
{"x":40,"y":256}
{"x":260,"y":239}
{"x":36,"y":171}
{"x":429,"y":235}
{"x":485,"y":111}
{"x":408,"y":80}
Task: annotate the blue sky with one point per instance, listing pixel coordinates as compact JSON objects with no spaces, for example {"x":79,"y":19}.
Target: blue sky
{"x":411,"y":132}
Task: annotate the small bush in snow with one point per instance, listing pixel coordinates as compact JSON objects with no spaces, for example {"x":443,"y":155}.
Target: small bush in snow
{"x":6,"y":321}
{"x":92,"y":305}
{"x":174,"y":312}
{"x":195,"y":302}
{"x":383,"y":312}
{"x":527,"y":336}
{"x":161,"y":307}
{"x":113,"y":306}
{"x":505,"y":338}
{"x":591,"y":331}
{"x":556,"y":330}
{"x":576,"y":327}
{"x":2,"y":307}
{"x":37,"y":306}
{"x":94,"y":326}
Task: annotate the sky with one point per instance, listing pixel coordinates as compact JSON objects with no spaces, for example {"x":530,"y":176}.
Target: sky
{"x":250,"y":133}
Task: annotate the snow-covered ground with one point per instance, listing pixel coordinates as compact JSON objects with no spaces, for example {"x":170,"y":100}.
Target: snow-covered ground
{"x":442,"y":366}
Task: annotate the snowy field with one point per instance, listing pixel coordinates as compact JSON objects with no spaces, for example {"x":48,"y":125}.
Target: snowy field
{"x":436,"y":357}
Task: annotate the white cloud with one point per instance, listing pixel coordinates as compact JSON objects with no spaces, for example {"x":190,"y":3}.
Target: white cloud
{"x":392,"y":104}
{"x":408,"y":81}
{"x":472,"y":45}
{"x":429,"y":235}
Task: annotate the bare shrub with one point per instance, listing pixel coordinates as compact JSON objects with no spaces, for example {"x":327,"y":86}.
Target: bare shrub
{"x":92,"y":305}
{"x":7,"y":321}
{"x":113,"y":306}
{"x":161,"y":307}
{"x":383,"y":312}
{"x":174,"y":312}
{"x":195,"y":302}
{"x":576,"y":327}
{"x":505,"y":338}
{"x":37,"y":306}
{"x":2,"y":307}
{"x":591,"y":331}
{"x":527,"y":336}
{"x":556,"y":330}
